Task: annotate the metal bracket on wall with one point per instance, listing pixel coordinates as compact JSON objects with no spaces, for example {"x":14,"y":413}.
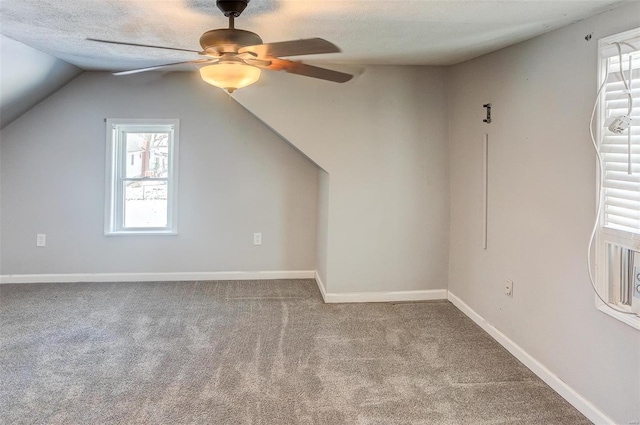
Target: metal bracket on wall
{"x":488,"y":119}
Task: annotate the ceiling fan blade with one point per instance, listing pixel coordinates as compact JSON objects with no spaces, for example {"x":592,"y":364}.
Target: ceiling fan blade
{"x":309,"y":46}
{"x":151,"y":68}
{"x":306,"y":70}
{"x":142,"y":45}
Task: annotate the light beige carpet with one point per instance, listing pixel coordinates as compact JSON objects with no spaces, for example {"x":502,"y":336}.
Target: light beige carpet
{"x":267,"y":352}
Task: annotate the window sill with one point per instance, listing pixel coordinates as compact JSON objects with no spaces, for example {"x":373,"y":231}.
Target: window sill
{"x":629,"y":319}
{"x":142,"y":233}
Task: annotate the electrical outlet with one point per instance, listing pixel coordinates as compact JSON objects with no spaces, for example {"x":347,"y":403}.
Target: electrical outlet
{"x":41,"y":239}
{"x":508,"y":287}
{"x":257,"y":238}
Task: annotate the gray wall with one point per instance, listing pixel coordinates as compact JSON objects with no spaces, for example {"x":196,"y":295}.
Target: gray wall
{"x":27,"y":76}
{"x":236,"y":177}
{"x":322,"y":233}
{"x":382,"y":138}
{"x":541,"y":208}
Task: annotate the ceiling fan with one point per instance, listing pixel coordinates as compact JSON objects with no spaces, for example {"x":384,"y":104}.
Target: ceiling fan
{"x":233,"y":58}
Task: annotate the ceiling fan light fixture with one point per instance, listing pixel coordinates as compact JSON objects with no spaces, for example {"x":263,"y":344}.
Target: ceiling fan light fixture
{"x":230,"y":76}
{"x":239,"y":55}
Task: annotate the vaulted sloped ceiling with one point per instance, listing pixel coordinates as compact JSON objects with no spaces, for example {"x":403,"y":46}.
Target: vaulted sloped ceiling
{"x":370,"y":32}
{"x":28,"y":76}
{"x":40,"y":38}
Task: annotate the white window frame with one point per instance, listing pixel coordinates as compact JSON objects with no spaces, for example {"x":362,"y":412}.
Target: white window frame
{"x":609,"y":235}
{"x":116,"y":167}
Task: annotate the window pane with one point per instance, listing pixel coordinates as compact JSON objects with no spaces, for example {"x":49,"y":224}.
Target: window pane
{"x":147,"y":154}
{"x":145,"y":204}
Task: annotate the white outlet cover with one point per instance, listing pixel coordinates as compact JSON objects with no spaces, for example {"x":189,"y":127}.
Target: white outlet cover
{"x":41,"y":239}
{"x":508,"y":287}
{"x":257,"y":238}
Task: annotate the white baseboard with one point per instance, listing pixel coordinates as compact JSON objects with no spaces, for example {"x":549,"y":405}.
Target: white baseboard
{"x":154,"y":277}
{"x":579,"y":402}
{"x":383,"y":297}
{"x":379,"y":297}
{"x":321,"y":286}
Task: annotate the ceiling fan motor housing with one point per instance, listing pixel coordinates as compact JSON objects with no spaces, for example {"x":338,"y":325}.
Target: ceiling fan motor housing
{"x":228,"y":39}
{"x":232,"y":7}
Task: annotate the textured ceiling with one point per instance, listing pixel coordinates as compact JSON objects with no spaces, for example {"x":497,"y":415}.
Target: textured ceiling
{"x":420,"y":32}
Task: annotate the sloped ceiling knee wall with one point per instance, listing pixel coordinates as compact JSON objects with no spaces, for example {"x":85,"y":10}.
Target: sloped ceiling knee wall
{"x":382,"y":138}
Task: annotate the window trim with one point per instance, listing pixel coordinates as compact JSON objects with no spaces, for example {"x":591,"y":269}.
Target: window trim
{"x":114,"y":210}
{"x":618,"y":237}
{"x":607,"y":235}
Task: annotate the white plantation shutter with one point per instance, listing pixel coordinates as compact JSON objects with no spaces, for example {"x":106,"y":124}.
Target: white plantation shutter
{"x":618,"y":247}
{"x":621,"y":208}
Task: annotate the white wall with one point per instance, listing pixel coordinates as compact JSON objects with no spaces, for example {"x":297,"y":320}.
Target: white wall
{"x":541,"y":208}
{"x":322,"y":233}
{"x":382,"y":138}
{"x":236,"y":177}
{"x":27,"y":76}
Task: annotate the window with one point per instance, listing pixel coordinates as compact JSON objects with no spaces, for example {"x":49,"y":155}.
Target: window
{"x":142,"y":177}
{"x":618,"y":257}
